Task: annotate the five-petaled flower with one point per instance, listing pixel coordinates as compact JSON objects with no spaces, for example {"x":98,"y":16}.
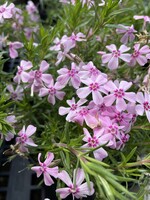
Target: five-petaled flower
{"x":45,"y":169}
{"x":77,"y":188}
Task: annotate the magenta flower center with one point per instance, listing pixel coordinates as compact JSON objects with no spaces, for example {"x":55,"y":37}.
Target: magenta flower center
{"x":13,"y":95}
{"x":113,"y":130}
{"x":94,"y":86}
{"x":52,"y":90}
{"x":72,"y":72}
{"x":119,"y":117}
{"x":93,"y":71}
{"x":73,"y":107}
{"x":83,"y":112}
{"x":130,"y":31}
{"x":43,"y":167}
{"x":119,"y":93}
{"x":2,"y":9}
{"x":93,"y":142}
{"x":124,"y":139}
{"x":73,"y":189}
{"x":135,"y":54}
{"x":23,"y":138}
{"x":73,"y":37}
{"x":20,"y":70}
{"x":38,"y":74}
{"x":116,"y":53}
{"x":146,"y":105}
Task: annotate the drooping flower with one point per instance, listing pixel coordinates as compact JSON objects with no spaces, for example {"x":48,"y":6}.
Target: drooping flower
{"x":52,"y":90}
{"x":118,"y":93}
{"x":23,"y":139}
{"x":139,"y":55}
{"x":94,"y":86}
{"x":128,"y":32}
{"x":22,"y":75}
{"x":98,"y":138}
{"x":113,"y":58}
{"x":144,"y":105}
{"x":77,"y":188}
{"x":12,"y":48}
{"x":45,"y":169}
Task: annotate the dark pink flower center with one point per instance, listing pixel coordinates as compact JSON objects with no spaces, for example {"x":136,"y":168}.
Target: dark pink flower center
{"x":94,"y":71}
{"x":38,"y":74}
{"x":73,"y":189}
{"x":119,"y":117}
{"x":135,"y":54}
{"x":116,"y":53}
{"x":130,"y":31}
{"x":52,"y":90}
{"x":43,"y":167}
{"x":73,"y":107}
{"x":119,"y":93}
{"x":23,"y":138}
{"x":124,"y":139}
{"x":72,"y":72}
{"x":2,"y":9}
{"x":14,"y":95}
{"x":83,"y":112}
{"x":113,"y":130}
{"x":73,"y":37}
{"x":94,"y":86}
{"x":146,"y":105}
{"x":93,"y":142}
{"x":20,"y":70}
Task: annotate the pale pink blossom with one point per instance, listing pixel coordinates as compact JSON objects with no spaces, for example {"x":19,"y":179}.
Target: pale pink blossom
{"x":123,"y":140}
{"x":37,"y":77}
{"x":6,"y":11}
{"x":69,"y":75}
{"x":113,"y":58}
{"x":31,"y":8}
{"x":94,"y":86}
{"x":77,"y":188}
{"x":57,"y":46}
{"x":15,"y":94}
{"x":22,"y":75}
{"x":12,"y":48}
{"x":144,"y":17}
{"x":23,"y":139}
{"x":98,"y":139}
{"x":139,"y":55}
{"x":71,"y":111}
{"x":84,"y":114}
{"x":45,"y":169}
{"x":89,"y":71}
{"x":128,"y":32}
{"x":144,"y":105}
{"x":118,"y":93}
{"x":53,"y":91}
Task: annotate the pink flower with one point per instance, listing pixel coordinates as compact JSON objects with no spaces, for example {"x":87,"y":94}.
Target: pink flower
{"x":16,"y":94}
{"x":31,"y":8}
{"x":94,"y":86}
{"x":22,"y":75}
{"x":24,"y":140}
{"x":77,"y":188}
{"x":71,"y":111}
{"x":144,"y":105}
{"x":45,"y":169}
{"x":123,"y":140}
{"x":6,"y":11}
{"x":99,"y":138}
{"x":52,"y":90}
{"x":113,"y":58}
{"x":12,"y":49}
{"x":57,"y":46}
{"x":84,"y":114}
{"x":118,"y":93}
{"x":146,"y":19}
{"x":128,"y":32}
{"x":69,"y":75}
{"x":138,"y":56}
{"x":37,"y":77}
{"x":90,"y":71}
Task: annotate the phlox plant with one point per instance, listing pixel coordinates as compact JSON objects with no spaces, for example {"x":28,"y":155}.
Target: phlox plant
{"x":78,"y":99}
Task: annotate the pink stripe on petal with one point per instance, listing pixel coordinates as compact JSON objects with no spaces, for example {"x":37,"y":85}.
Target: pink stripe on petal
{"x":113,"y":63}
{"x":121,"y":104}
{"x":30,"y":130}
{"x":63,"y":192}
{"x":83,"y":92}
{"x":47,"y":179}
{"x":64,"y":176}
{"x":49,"y":158}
